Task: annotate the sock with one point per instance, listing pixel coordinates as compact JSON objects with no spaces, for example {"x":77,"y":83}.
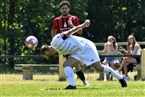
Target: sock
{"x":80,"y":74}
{"x":109,"y":70}
{"x":70,"y":75}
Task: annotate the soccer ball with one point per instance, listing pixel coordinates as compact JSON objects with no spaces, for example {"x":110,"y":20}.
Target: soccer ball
{"x":31,"y":42}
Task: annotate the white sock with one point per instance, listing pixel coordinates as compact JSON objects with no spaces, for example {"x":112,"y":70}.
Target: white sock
{"x":109,"y":70}
{"x":70,"y":75}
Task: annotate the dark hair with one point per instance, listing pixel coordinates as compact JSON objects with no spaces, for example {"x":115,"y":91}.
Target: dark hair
{"x":62,"y":3}
{"x":43,"y":49}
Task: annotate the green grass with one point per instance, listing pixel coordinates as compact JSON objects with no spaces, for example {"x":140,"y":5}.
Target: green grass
{"x":12,"y":85}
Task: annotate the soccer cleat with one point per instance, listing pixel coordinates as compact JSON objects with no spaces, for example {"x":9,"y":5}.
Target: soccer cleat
{"x":85,"y":83}
{"x":123,"y":83}
{"x":70,"y":87}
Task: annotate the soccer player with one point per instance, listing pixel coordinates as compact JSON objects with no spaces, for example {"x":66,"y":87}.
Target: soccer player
{"x":81,"y":50}
{"x":65,"y":22}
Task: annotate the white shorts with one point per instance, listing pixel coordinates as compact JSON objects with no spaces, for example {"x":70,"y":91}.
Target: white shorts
{"x":87,"y":56}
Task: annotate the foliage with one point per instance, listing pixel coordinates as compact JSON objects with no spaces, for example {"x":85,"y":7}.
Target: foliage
{"x":21,"y":18}
{"x":116,"y":17}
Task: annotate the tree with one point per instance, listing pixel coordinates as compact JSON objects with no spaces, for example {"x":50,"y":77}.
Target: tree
{"x":21,"y":18}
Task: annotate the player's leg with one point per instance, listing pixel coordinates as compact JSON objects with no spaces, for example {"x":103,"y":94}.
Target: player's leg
{"x":81,"y":75}
{"x":107,"y":69}
{"x":68,"y":64}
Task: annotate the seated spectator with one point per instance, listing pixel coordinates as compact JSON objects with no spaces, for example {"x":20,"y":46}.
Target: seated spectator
{"x":133,"y":48}
{"x":110,"y":48}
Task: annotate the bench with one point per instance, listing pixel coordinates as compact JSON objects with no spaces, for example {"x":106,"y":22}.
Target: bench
{"x":137,"y":67}
{"x":28,"y":69}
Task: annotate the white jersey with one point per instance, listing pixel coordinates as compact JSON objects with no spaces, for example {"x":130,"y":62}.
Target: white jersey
{"x":70,"y":45}
{"x":79,"y":48}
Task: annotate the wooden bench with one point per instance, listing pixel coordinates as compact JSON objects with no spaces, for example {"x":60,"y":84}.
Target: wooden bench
{"x":28,"y":69}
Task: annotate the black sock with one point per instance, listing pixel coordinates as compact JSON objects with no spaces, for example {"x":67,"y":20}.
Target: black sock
{"x":80,"y":74}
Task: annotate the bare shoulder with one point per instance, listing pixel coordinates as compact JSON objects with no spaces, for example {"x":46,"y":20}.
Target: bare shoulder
{"x":116,"y":44}
{"x":137,"y":45}
{"x":105,"y":44}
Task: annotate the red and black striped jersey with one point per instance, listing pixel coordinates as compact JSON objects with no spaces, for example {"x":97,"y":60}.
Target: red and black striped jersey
{"x":60,"y":24}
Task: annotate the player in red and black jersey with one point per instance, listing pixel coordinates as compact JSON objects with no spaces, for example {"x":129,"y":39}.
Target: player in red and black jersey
{"x":63,"y":23}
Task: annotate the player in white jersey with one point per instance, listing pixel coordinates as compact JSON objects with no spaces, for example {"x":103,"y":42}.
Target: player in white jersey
{"x":81,"y":50}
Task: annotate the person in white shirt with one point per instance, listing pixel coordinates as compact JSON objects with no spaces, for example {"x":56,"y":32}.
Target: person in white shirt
{"x":81,"y":50}
{"x":133,"y":48}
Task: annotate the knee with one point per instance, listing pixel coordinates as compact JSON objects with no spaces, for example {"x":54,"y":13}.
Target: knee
{"x":78,"y":68}
{"x":112,"y":65}
{"x":124,"y":61}
{"x":101,"y":68}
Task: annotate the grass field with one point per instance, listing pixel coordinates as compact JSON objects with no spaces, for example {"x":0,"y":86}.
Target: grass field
{"x":12,"y":85}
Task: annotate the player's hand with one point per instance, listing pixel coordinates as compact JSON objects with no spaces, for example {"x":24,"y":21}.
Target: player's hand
{"x":87,"y":23}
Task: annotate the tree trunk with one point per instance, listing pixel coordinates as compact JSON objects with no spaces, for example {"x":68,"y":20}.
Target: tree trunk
{"x":11,"y":38}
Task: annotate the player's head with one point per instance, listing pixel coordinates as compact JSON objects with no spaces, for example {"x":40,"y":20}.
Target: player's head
{"x":64,"y":8}
{"x":45,"y":51}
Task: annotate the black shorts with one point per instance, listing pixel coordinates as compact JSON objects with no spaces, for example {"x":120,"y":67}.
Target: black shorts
{"x":138,"y":60}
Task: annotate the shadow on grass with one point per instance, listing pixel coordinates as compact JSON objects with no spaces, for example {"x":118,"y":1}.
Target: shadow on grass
{"x":78,"y":88}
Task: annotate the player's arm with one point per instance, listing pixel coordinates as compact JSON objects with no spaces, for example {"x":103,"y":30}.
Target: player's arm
{"x":77,"y":28}
{"x":76,"y":22}
{"x":80,"y":32}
